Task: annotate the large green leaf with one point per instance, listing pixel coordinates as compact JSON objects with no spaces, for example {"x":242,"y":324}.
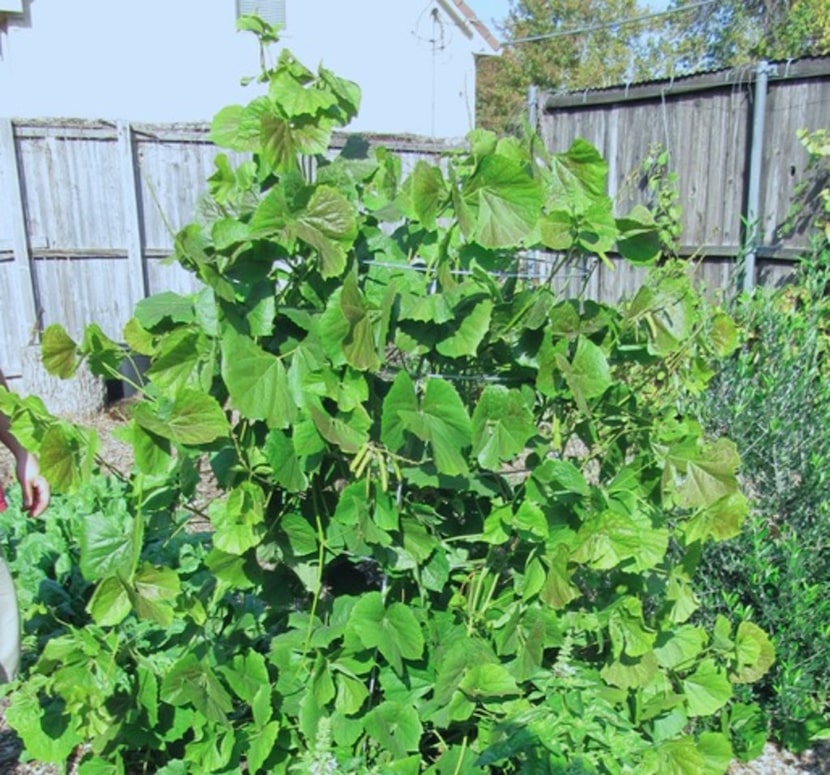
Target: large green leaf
{"x":627,"y":629}
{"x":178,"y":359}
{"x":696,"y":475}
{"x":329,"y":225}
{"x":153,"y":589}
{"x":239,"y":520}
{"x":58,"y":351}
{"x":400,"y":402}
{"x":579,"y":177}
{"x":359,"y":345}
{"x":256,"y":380}
{"x":261,"y":743}
{"x":237,"y":127}
{"x":347,"y":430}
{"x":163,"y":306}
{"x":505,"y":202}
{"x":190,"y":681}
{"x":754,"y":653}
{"x":108,"y":546}
{"x":394,"y":631}
{"x":472,"y":328}
{"x":639,"y":240}
{"x":277,"y":147}
{"x":631,"y":672}
{"x":425,"y":193}
{"x":347,"y":93}
{"x":286,"y":468}
{"x":442,"y":421}
{"x":297,"y":99}
{"x":67,"y":455}
{"x":192,"y":417}
{"x":502,"y":424}
{"x":717,"y":752}
{"x":609,"y":538}
{"x":42,"y":727}
{"x":488,"y":681}
{"x":707,"y":689}
{"x":103,"y":355}
{"x":396,"y":727}
{"x":681,"y":647}
{"x":110,"y":603}
{"x":680,"y":757}
{"x":722,"y":520}
{"x":558,"y":589}
{"x":588,"y":375}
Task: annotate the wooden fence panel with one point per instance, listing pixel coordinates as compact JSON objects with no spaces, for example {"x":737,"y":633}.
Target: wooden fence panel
{"x":706,"y":123}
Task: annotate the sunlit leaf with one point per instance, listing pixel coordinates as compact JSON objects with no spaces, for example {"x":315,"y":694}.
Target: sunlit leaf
{"x":58,"y":351}
{"x":505,"y":202}
{"x":502,"y":424}
{"x":754,"y":652}
{"x":393,"y":630}
{"x":707,"y":689}
{"x":257,"y":381}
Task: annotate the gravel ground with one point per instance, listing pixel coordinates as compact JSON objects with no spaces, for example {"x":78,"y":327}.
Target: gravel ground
{"x":774,"y":761}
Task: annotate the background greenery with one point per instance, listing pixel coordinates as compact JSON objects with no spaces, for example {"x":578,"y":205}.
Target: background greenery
{"x":773,"y":398}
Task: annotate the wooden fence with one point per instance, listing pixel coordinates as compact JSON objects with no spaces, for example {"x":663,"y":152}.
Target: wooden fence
{"x":731,"y":140}
{"x":88,"y":209}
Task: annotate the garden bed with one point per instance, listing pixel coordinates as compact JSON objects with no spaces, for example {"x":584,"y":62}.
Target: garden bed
{"x":118,"y":455}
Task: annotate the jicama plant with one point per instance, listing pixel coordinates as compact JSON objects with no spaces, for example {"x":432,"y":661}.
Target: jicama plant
{"x":456,"y":515}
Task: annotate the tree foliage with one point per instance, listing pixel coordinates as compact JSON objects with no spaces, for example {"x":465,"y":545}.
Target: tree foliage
{"x":735,"y":33}
{"x":602,"y":57}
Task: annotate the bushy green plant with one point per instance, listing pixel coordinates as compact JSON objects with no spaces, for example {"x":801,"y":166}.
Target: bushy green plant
{"x":773,"y":398}
{"x":446,"y":497}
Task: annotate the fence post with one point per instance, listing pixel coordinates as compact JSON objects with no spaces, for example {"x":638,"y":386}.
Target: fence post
{"x":533,"y":107}
{"x":29,"y":302}
{"x":756,"y":163}
{"x":133,"y":230}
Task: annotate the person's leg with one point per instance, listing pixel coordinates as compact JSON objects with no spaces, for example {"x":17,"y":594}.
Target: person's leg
{"x":9,"y":626}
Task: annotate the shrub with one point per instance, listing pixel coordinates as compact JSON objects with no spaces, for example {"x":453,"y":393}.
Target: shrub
{"x":773,"y":398}
{"x":446,"y":497}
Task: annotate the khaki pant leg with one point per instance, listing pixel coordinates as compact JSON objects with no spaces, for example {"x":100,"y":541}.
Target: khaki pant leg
{"x":9,"y":626}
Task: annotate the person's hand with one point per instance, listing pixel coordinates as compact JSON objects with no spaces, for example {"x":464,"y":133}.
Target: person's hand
{"x":36,"y":490}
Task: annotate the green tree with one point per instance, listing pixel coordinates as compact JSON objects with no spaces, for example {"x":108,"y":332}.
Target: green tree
{"x":733,"y":33}
{"x":604,"y":49}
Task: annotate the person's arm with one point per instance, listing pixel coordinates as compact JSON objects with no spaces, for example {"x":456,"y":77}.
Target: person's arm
{"x":36,"y":490}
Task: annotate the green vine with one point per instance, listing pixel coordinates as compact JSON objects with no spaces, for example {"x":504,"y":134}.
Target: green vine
{"x":446,"y":496}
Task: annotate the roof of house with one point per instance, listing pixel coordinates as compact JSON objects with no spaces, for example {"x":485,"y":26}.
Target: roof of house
{"x":469,"y":16}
